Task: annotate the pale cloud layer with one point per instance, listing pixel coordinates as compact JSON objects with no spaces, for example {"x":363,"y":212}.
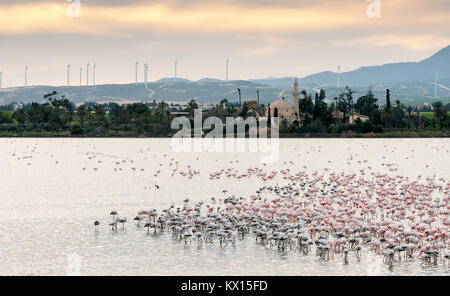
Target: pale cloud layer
{"x":132,"y":19}
{"x":261,"y":37}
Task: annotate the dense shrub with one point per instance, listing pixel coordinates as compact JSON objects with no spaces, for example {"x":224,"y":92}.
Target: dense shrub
{"x":340,"y":128}
{"x":76,"y":129}
{"x":378,"y":128}
{"x":315,"y":127}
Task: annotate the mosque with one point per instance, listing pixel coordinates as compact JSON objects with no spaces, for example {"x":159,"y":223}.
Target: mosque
{"x":292,"y":114}
{"x":284,"y":109}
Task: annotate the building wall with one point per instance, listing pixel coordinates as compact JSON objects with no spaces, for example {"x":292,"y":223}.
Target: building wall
{"x":287,"y":113}
{"x":354,"y":117}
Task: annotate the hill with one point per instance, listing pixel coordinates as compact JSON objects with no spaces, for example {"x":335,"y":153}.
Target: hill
{"x":411,"y":83}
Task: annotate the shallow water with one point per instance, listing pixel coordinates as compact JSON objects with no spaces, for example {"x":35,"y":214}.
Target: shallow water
{"x":53,"y":189}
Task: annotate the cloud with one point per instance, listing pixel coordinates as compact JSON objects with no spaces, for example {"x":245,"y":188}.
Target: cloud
{"x":413,"y":42}
{"x":265,"y":51}
{"x":29,"y":18}
{"x":261,"y":37}
{"x":135,"y":18}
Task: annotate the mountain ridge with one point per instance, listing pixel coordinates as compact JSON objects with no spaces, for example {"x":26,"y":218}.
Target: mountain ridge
{"x":411,"y":82}
{"x":386,"y":73}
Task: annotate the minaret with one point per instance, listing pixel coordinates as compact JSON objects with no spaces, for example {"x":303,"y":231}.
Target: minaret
{"x":296,"y":96}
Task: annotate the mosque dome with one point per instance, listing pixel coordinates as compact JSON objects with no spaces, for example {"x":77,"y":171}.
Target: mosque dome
{"x":280,"y":104}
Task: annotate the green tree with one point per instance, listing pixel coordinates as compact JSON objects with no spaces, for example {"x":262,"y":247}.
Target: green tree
{"x":5,"y":117}
{"x":306,"y":107}
{"x":20,"y":116}
{"x":162,"y":106}
{"x":387,"y":112}
{"x":439,"y":112}
{"x":82,"y":113}
{"x":192,"y":105}
{"x":398,"y":114}
{"x":345,"y":102}
{"x":244,"y":110}
{"x":409,"y":109}
{"x":367,"y":105}
{"x":388,"y":99}
{"x":320,"y":106}
{"x":116,"y":113}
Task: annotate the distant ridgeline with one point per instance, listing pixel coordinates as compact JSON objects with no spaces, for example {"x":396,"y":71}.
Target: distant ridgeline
{"x":412,"y":83}
{"x":409,"y":92}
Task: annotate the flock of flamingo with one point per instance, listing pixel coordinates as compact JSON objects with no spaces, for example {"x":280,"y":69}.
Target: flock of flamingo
{"x":324,"y":214}
{"x":334,"y":216}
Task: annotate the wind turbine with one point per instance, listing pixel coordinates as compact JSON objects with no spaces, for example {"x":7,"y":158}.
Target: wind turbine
{"x":26,"y":75}
{"x":68,"y":75}
{"x":226,"y":75}
{"x":176,"y":64}
{"x":87,"y":74}
{"x":137,"y":63}
{"x":145,"y":74}
{"x":81,"y":74}
{"x":93,"y":81}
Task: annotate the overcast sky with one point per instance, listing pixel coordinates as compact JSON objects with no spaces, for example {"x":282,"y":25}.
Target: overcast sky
{"x":262,"y":38}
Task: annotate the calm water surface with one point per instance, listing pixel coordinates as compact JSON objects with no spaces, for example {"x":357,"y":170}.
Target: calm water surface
{"x":51,"y":191}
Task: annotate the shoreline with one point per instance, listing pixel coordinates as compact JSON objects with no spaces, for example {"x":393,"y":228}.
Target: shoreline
{"x":415,"y":135}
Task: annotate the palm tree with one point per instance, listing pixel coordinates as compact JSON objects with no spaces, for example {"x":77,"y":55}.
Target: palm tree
{"x":70,"y":107}
{"x":162,"y":106}
{"x":192,"y":105}
{"x":439,"y":112}
{"x":418,"y":119}
{"x":244,"y":110}
{"x":398,"y":114}
{"x":224,"y":102}
{"x":82,"y":112}
{"x":409,"y":109}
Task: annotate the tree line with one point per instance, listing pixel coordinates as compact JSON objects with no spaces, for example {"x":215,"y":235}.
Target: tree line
{"x":317,"y":115}
{"x":58,"y":114}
